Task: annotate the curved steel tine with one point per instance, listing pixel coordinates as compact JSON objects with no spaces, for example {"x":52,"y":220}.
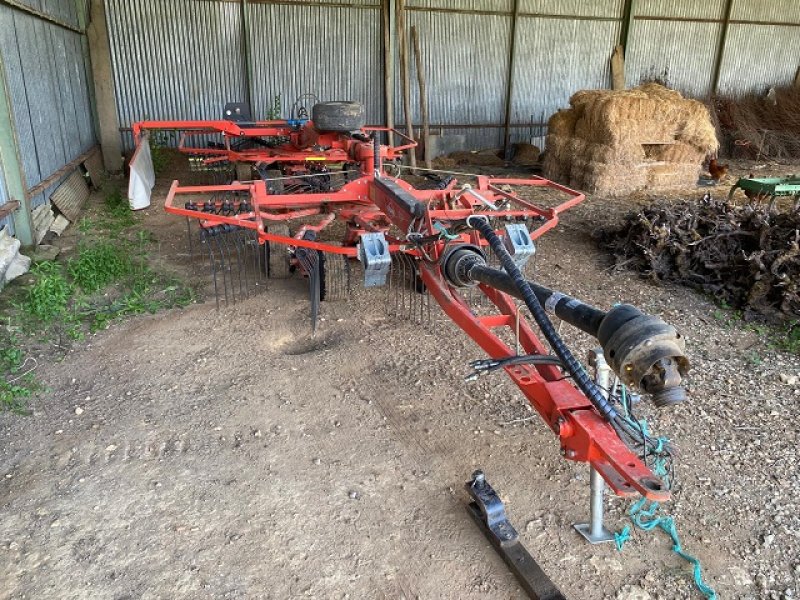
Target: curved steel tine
{"x":222,"y":267}
{"x":254,"y":247}
{"x":244,"y":262}
{"x":229,"y":254}
{"x":212,"y":266}
{"x":189,"y":239}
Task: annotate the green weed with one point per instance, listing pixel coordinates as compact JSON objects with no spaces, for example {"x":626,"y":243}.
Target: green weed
{"x":99,"y":265}
{"x":788,"y":338}
{"x":15,"y":387}
{"x":118,"y":212}
{"x":158,"y":153}
{"x":49,"y":295}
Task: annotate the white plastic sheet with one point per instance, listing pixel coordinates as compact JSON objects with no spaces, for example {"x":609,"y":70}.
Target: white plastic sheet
{"x":142,"y":177}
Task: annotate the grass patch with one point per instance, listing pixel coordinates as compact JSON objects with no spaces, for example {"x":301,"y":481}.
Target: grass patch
{"x":17,"y":383}
{"x":788,"y":338}
{"x":109,"y":278}
{"x":777,"y":337}
{"x":158,"y":152}
{"x":99,"y":265}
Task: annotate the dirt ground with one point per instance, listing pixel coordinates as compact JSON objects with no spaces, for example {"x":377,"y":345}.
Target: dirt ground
{"x":227,"y":454}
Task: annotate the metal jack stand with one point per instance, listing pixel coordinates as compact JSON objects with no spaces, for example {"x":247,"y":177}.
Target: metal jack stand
{"x":595,"y":532}
{"x":490,"y":514}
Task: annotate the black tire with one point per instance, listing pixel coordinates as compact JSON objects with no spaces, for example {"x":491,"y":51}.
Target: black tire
{"x":338,"y":116}
{"x":274,"y":259}
{"x":323,"y":289}
{"x":275,"y":187}
{"x":244,"y":171}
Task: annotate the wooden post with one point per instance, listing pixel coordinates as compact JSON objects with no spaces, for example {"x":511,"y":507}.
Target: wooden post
{"x":723,"y":36}
{"x":248,"y":64}
{"x":401,"y":32}
{"x":388,"y":68}
{"x":512,"y":58}
{"x":423,"y":96}
{"x":618,"y":68}
{"x":105,"y":95}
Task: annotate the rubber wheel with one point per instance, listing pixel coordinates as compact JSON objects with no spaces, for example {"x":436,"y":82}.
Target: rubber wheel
{"x":275,"y":187}
{"x":322,"y":283}
{"x":338,"y":116}
{"x":274,"y":259}
{"x":244,"y":171}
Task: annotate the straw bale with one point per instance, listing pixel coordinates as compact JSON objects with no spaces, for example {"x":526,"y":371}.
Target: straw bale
{"x":676,"y":153}
{"x":617,"y":141}
{"x":562,"y":123}
{"x":672,"y":175}
{"x":697,"y":129}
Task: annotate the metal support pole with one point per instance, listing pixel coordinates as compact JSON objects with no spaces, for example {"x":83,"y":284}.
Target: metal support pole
{"x":628,"y":10}
{"x":594,"y":531}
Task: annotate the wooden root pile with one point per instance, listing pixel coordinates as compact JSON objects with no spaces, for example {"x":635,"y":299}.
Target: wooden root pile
{"x":742,"y":256}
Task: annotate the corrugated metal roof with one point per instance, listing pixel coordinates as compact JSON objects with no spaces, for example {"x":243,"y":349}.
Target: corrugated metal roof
{"x":681,"y":53}
{"x":709,"y":9}
{"x":333,"y":52}
{"x":744,"y":68}
{"x":175,"y":59}
{"x":785,"y":11}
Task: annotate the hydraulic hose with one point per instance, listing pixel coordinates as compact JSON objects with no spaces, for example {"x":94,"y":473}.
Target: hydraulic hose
{"x":571,"y":364}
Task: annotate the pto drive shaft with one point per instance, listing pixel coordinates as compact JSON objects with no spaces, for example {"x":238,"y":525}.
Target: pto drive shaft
{"x":643,"y":350}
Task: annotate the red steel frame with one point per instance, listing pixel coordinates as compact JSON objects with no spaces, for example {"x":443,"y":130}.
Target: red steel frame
{"x":366,"y":207}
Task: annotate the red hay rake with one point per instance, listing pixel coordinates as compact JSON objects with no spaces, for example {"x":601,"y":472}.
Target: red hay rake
{"x":307,"y":211}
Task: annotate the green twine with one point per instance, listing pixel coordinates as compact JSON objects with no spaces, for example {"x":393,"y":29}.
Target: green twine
{"x":644,"y":518}
{"x":443,"y":233}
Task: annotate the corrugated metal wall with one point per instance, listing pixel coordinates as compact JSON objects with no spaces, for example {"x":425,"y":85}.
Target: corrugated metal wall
{"x":48,"y":76}
{"x":555,"y":58}
{"x":761,"y":54}
{"x":465,"y":59}
{"x":62,"y":10}
{"x":336,"y":52}
{"x":673,"y":42}
{"x":175,"y":59}
{"x":184,"y":59}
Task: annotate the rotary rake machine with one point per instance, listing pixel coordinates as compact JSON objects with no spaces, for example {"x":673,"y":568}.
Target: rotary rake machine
{"x":305,"y":192}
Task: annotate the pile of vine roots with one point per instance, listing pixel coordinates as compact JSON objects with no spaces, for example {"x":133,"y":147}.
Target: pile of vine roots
{"x":741,"y":255}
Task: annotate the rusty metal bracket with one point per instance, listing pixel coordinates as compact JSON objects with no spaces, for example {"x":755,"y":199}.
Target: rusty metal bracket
{"x":489,"y":513}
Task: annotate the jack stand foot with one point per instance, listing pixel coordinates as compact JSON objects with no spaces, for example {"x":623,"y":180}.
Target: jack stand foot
{"x":585,"y":529}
